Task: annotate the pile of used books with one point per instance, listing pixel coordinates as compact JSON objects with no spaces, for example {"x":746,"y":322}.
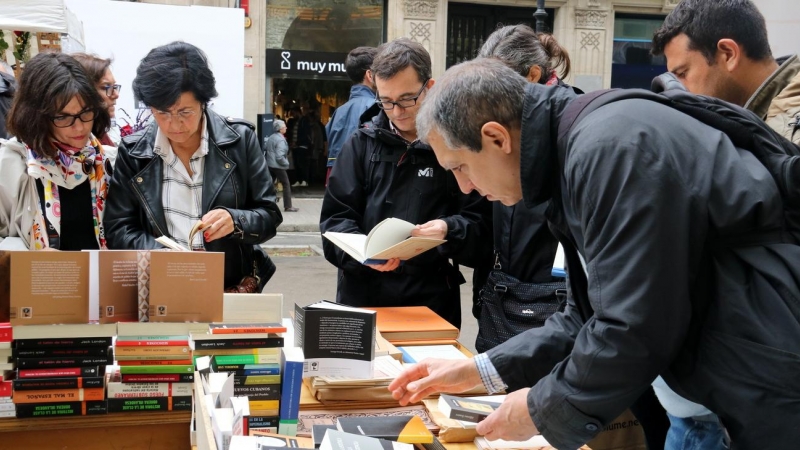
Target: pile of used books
{"x":61,"y":368}
{"x":154,"y":371}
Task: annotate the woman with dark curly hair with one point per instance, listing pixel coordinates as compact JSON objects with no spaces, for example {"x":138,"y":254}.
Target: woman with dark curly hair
{"x":53,"y":178}
{"x":189,"y":165}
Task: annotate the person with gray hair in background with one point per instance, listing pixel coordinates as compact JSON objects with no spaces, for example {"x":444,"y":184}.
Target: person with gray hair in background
{"x":8,"y":86}
{"x":640,"y":195}
{"x":277,"y":160}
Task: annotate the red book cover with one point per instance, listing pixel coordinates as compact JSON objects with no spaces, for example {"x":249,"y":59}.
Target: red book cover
{"x":152,"y":341}
{"x":6,"y":332}
{"x":60,"y":372}
{"x":238,"y":328}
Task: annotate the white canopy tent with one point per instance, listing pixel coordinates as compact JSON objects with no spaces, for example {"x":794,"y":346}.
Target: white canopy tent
{"x":43,"y":16}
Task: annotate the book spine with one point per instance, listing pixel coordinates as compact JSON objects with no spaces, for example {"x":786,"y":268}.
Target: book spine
{"x":164,"y":350}
{"x":155,"y":369}
{"x":58,"y":383}
{"x":263,"y":405}
{"x":138,"y":390}
{"x":6,"y":334}
{"x":42,"y":363}
{"x":262,"y":423}
{"x":291,"y":384}
{"x":159,"y":378}
{"x":237,"y":351}
{"x":183,"y":403}
{"x":246,"y":330}
{"x":210,"y":344}
{"x":467,"y":416}
{"x":156,"y":362}
{"x":239,"y":380}
{"x":60,"y":352}
{"x":6,"y":388}
{"x":62,"y":342}
{"x":61,"y":409}
{"x":252,"y":369}
{"x":61,"y":395}
{"x":61,"y":372}
{"x":151,"y":357}
{"x":247,"y":359}
{"x":154,"y":341}
{"x":259,"y":392}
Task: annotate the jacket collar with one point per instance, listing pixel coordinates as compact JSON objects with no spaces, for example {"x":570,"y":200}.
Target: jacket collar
{"x":219,"y":132}
{"x":360,"y":90}
{"x":771,"y":87}
{"x":541,"y":113}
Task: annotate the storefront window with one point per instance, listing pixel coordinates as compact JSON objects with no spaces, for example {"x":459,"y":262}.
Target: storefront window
{"x":335,"y":26}
{"x":633,"y":66}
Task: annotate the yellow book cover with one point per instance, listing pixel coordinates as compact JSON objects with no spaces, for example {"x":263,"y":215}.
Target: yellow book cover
{"x":409,"y":429}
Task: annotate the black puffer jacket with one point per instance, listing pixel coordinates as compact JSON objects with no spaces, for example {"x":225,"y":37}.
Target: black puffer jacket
{"x":379,"y":175}
{"x":235,"y":178}
{"x":637,"y":207}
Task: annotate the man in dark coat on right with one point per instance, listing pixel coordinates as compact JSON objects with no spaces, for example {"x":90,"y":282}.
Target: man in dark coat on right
{"x":7,"y":88}
{"x":653,"y":208}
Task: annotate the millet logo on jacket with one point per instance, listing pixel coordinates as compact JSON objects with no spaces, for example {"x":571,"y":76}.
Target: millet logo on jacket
{"x":426,"y":172}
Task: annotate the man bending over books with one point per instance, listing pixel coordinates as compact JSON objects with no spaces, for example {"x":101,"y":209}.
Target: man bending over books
{"x":384,"y":171}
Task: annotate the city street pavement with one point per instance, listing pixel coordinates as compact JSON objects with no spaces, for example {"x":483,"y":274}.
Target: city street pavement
{"x":307,"y":279}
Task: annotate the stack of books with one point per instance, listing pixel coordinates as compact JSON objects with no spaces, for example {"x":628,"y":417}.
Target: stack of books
{"x":343,"y":390}
{"x":60,"y":369}
{"x":6,"y":363}
{"x":154,"y":373}
{"x":252,"y":354}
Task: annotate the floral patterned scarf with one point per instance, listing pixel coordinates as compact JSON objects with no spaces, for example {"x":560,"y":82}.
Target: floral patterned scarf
{"x":71,"y":167}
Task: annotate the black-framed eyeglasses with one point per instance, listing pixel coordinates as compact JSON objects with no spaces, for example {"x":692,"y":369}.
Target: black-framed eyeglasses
{"x":66,"y":120}
{"x":111,"y":88}
{"x":403,"y":102}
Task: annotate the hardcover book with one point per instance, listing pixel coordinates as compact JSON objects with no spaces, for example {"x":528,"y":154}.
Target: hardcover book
{"x":389,"y":239}
{"x":36,"y":299}
{"x":139,"y":390}
{"x":337,"y":340}
{"x":58,"y":383}
{"x":467,"y":409}
{"x":409,"y":429}
{"x":399,"y":323}
{"x":60,"y":395}
{"x":186,"y":286}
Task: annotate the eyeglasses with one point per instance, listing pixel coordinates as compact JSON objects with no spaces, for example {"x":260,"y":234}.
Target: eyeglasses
{"x":403,"y":102}
{"x":111,"y":88}
{"x":184,"y":115}
{"x":66,"y":120}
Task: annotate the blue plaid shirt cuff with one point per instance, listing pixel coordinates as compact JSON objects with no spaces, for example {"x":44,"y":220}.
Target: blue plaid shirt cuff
{"x":489,"y":376}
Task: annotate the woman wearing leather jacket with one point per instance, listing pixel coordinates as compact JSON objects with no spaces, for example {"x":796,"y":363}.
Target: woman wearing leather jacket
{"x":192,"y":164}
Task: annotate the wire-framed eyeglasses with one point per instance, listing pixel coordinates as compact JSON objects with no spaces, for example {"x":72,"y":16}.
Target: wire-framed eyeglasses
{"x":111,"y":88}
{"x":182,"y":115}
{"x":387,"y":105}
{"x":66,"y":120}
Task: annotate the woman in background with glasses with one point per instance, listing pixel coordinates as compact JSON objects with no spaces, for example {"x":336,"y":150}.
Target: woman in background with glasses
{"x":189,"y":165}
{"x":53,"y":178}
{"x":99,"y":71}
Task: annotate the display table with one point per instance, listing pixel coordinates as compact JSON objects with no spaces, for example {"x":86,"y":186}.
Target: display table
{"x":140,"y":430}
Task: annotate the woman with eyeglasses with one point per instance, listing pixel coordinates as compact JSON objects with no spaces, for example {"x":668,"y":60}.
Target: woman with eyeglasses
{"x":53,"y":179}
{"x":189,"y":165}
{"x":99,"y":71}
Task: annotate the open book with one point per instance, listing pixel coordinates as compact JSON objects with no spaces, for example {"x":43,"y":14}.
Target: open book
{"x":388,"y":239}
{"x":166,"y":241}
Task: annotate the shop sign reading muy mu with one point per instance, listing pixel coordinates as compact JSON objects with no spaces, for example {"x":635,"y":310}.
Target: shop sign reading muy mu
{"x":298,"y":62}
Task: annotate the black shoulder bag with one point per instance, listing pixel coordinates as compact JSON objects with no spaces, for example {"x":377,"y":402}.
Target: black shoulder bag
{"x":510,"y":307}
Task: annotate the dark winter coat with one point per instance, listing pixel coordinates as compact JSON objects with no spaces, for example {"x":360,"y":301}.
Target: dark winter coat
{"x":642,"y":201}
{"x":379,"y":175}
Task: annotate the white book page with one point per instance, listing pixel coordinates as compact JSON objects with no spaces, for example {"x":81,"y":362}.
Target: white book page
{"x":352,"y":243}
{"x":386,"y":234}
{"x":420,"y":352}
{"x":408,"y":248}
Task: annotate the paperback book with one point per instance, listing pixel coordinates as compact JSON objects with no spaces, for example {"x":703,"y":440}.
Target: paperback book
{"x":389,"y":239}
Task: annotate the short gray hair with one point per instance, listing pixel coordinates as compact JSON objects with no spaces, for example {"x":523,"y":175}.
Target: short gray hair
{"x":468,"y":96}
{"x":277,"y":125}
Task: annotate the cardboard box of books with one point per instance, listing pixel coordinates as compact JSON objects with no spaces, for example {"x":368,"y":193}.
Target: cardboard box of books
{"x":625,"y":433}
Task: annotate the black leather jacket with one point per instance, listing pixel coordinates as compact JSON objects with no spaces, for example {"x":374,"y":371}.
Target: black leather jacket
{"x":235,"y":179}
